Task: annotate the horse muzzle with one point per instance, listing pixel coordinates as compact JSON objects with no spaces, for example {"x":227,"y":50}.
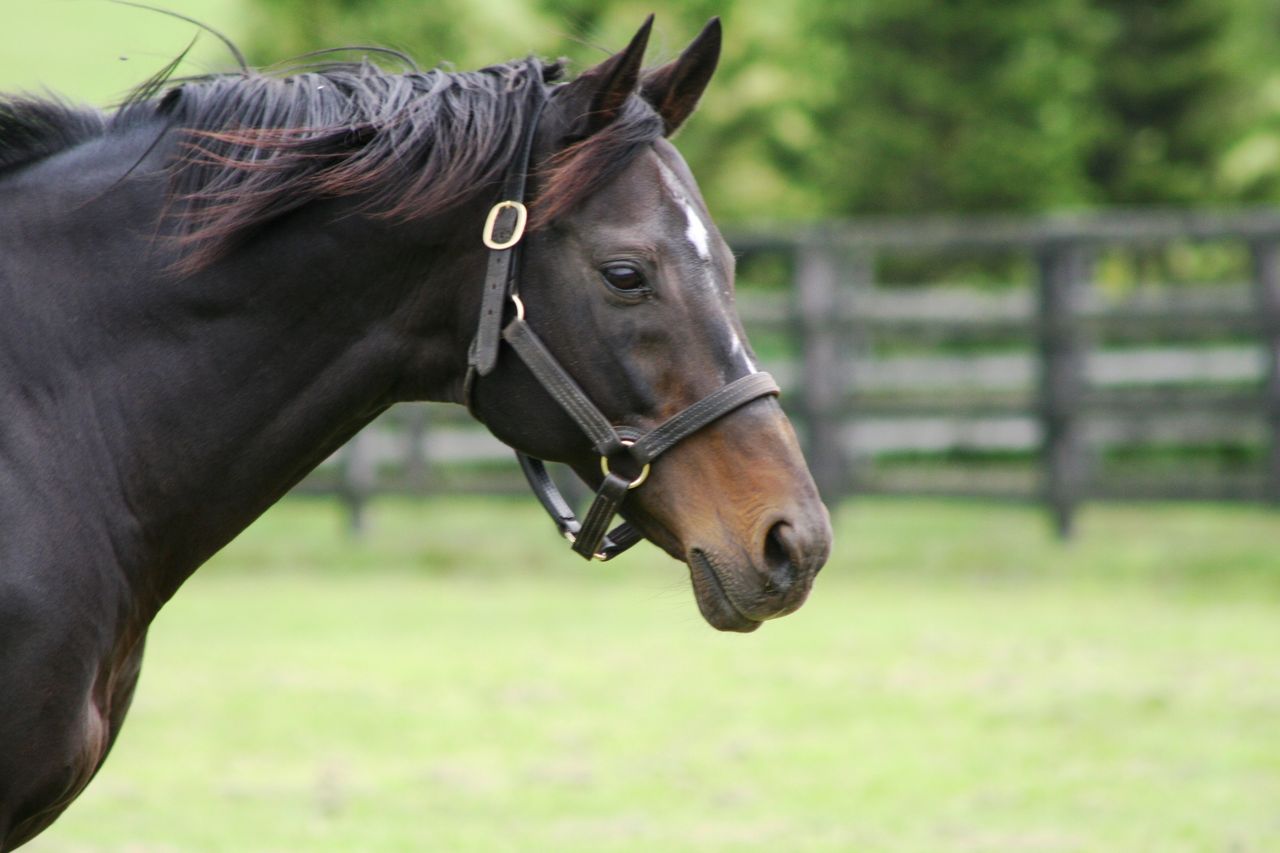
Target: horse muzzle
{"x":740,"y":592}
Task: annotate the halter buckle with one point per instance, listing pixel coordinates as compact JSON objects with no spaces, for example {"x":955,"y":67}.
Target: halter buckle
{"x":517,"y":230}
{"x":573,"y":540}
{"x":638,"y":481}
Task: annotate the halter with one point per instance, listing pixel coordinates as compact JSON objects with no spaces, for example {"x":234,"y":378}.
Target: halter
{"x":625,"y":454}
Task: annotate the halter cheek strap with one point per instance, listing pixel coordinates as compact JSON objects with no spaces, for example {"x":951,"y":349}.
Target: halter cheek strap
{"x":617,"y":452}
{"x":499,"y":279}
{"x":625,"y":455}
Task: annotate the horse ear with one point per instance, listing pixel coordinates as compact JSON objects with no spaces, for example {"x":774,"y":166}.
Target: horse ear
{"x":674,"y":89}
{"x":597,"y":96}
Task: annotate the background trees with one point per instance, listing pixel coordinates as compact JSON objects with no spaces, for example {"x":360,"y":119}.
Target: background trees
{"x":840,"y":107}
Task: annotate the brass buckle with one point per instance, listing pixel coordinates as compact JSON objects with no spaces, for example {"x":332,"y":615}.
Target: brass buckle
{"x":573,"y":540}
{"x":517,"y":230}
{"x":634,"y":484}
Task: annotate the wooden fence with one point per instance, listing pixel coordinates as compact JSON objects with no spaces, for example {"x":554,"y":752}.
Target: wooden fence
{"x":1058,"y":385}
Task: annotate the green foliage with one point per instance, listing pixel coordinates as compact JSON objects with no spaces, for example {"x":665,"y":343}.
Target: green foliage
{"x":825,"y":108}
{"x":1166,"y":100}
{"x":955,"y":106}
{"x":1251,"y":167}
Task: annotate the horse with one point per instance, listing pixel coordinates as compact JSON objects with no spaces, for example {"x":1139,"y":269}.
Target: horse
{"x":207,"y":291}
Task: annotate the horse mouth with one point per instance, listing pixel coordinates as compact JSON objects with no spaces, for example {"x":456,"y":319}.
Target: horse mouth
{"x":714,"y":602}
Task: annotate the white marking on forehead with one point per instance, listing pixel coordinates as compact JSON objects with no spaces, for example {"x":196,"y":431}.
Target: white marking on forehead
{"x":739,"y":351}
{"x":696,"y":233}
{"x":700,"y":237}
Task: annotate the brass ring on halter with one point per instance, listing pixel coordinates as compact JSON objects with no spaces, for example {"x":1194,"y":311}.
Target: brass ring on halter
{"x":517,"y":230}
{"x":634,"y":484}
{"x":519,"y":306}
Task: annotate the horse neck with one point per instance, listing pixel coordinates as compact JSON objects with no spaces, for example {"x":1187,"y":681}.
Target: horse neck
{"x":206,"y":398}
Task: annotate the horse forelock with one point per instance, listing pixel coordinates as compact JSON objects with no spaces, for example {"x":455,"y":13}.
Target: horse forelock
{"x":583,"y":167}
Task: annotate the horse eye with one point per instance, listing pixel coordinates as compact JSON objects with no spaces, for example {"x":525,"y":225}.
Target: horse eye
{"x":623,"y":277}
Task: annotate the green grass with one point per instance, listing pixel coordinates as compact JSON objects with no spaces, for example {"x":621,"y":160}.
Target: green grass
{"x":958,"y":682}
{"x":94,"y":51}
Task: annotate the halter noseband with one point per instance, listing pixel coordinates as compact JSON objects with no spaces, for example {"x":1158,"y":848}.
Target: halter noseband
{"x":619,"y":448}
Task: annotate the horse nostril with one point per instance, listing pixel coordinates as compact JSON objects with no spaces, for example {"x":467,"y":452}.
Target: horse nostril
{"x":778,"y":561}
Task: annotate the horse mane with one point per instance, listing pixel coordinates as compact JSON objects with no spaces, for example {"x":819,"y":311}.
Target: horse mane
{"x":32,"y":129}
{"x":254,"y":146}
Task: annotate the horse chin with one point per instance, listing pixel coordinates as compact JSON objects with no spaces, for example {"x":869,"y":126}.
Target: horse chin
{"x":708,"y":591}
{"x":731,"y":592}
{"x":714,"y":601}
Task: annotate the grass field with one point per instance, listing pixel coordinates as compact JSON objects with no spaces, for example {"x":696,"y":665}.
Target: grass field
{"x":958,"y":682}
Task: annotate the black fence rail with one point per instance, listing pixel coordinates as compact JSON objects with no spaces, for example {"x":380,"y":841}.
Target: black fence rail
{"x":1053,"y":385}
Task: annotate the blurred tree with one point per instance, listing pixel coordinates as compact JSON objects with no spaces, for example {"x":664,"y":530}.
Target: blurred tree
{"x":469,"y":34}
{"x":836,"y":107}
{"x":731,"y":142}
{"x":1167,"y":100}
{"x":953,"y":106}
{"x":1250,"y":169}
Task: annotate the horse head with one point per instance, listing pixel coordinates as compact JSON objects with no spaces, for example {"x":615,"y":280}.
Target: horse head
{"x":632,"y":289}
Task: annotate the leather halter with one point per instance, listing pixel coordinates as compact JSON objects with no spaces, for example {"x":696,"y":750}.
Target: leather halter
{"x":621,"y":449}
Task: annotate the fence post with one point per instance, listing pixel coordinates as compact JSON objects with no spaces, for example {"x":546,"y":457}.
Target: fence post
{"x":1064,"y":272}
{"x":357,"y":476}
{"x":819,"y":314}
{"x":1266,"y":289}
{"x":417,"y":476}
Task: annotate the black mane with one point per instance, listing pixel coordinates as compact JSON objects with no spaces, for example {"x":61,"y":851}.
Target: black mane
{"x":254,"y":146}
{"x":32,"y":129}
